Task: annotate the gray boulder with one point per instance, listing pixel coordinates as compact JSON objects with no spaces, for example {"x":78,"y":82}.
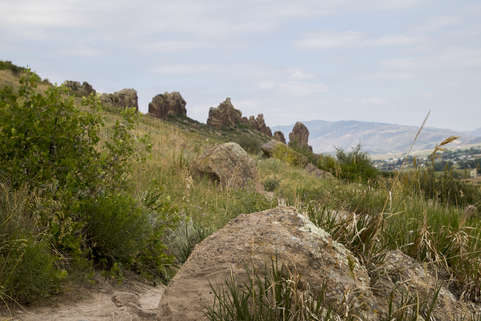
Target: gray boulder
{"x":228,"y":164}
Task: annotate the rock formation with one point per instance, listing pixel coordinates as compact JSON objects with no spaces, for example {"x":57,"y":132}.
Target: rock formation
{"x":125,"y":98}
{"x":279,"y":136}
{"x":259,"y":124}
{"x":168,"y":105}
{"x":224,"y":115}
{"x":299,"y":136}
{"x":227,"y":163}
{"x":79,"y":90}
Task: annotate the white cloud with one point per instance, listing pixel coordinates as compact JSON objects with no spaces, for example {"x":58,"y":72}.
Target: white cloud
{"x":184,"y":69}
{"x":349,"y":39}
{"x":173,"y":46}
{"x":373,"y":101}
{"x":327,"y":40}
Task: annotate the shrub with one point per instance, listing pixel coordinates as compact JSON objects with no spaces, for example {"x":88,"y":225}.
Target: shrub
{"x":82,"y":182}
{"x":270,"y":184}
{"x":27,"y":266}
{"x":45,"y":139}
{"x":356,"y":165}
{"x":249,"y":144}
{"x":290,"y":156}
{"x":182,"y":240}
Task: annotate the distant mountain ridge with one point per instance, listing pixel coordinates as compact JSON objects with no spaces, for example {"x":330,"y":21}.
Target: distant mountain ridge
{"x":377,"y":138}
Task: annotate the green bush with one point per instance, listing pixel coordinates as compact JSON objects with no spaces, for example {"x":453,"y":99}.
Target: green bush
{"x":116,"y":229}
{"x":82,"y":185}
{"x":249,"y":144}
{"x":270,"y":184}
{"x":290,"y":156}
{"x":356,"y":165}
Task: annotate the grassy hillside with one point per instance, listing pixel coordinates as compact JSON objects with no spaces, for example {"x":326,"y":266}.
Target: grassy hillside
{"x":135,"y":179}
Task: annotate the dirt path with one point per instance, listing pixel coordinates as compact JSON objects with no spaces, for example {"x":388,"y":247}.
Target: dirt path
{"x":133,"y":301}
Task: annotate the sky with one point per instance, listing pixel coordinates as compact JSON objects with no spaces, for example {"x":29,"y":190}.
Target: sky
{"x":372,"y":60}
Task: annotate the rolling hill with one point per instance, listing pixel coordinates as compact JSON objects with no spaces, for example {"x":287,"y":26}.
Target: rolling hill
{"x":377,"y":138}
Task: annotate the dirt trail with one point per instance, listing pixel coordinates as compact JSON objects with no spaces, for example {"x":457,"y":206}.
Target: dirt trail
{"x":133,"y":301}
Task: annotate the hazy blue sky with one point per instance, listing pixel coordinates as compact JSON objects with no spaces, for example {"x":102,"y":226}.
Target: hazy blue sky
{"x":375,"y":60}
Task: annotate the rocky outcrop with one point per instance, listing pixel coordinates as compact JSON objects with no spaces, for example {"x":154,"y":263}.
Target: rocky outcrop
{"x":299,"y":136}
{"x":125,"y":98}
{"x":269,"y":147}
{"x":79,"y":90}
{"x":279,"y":136}
{"x":259,"y":124}
{"x":226,"y":163}
{"x":224,"y":115}
{"x":168,"y":105}
{"x":253,"y":240}
{"x":315,"y":171}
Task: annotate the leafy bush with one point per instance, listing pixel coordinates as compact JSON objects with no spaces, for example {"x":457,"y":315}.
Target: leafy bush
{"x":356,"y":165}
{"x":82,"y":183}
{"x":249,"y":144}
{"x":270,"y":184}
{"x":290,"y":156}
{"x":45,"y":139}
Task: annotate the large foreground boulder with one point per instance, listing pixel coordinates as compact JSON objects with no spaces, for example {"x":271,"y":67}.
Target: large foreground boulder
{"x":253,"y":240}
{"x":168,"y":105}
{"x":125,"y":98}
{"x":227,"y":163}
{"x":224,"y":115}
